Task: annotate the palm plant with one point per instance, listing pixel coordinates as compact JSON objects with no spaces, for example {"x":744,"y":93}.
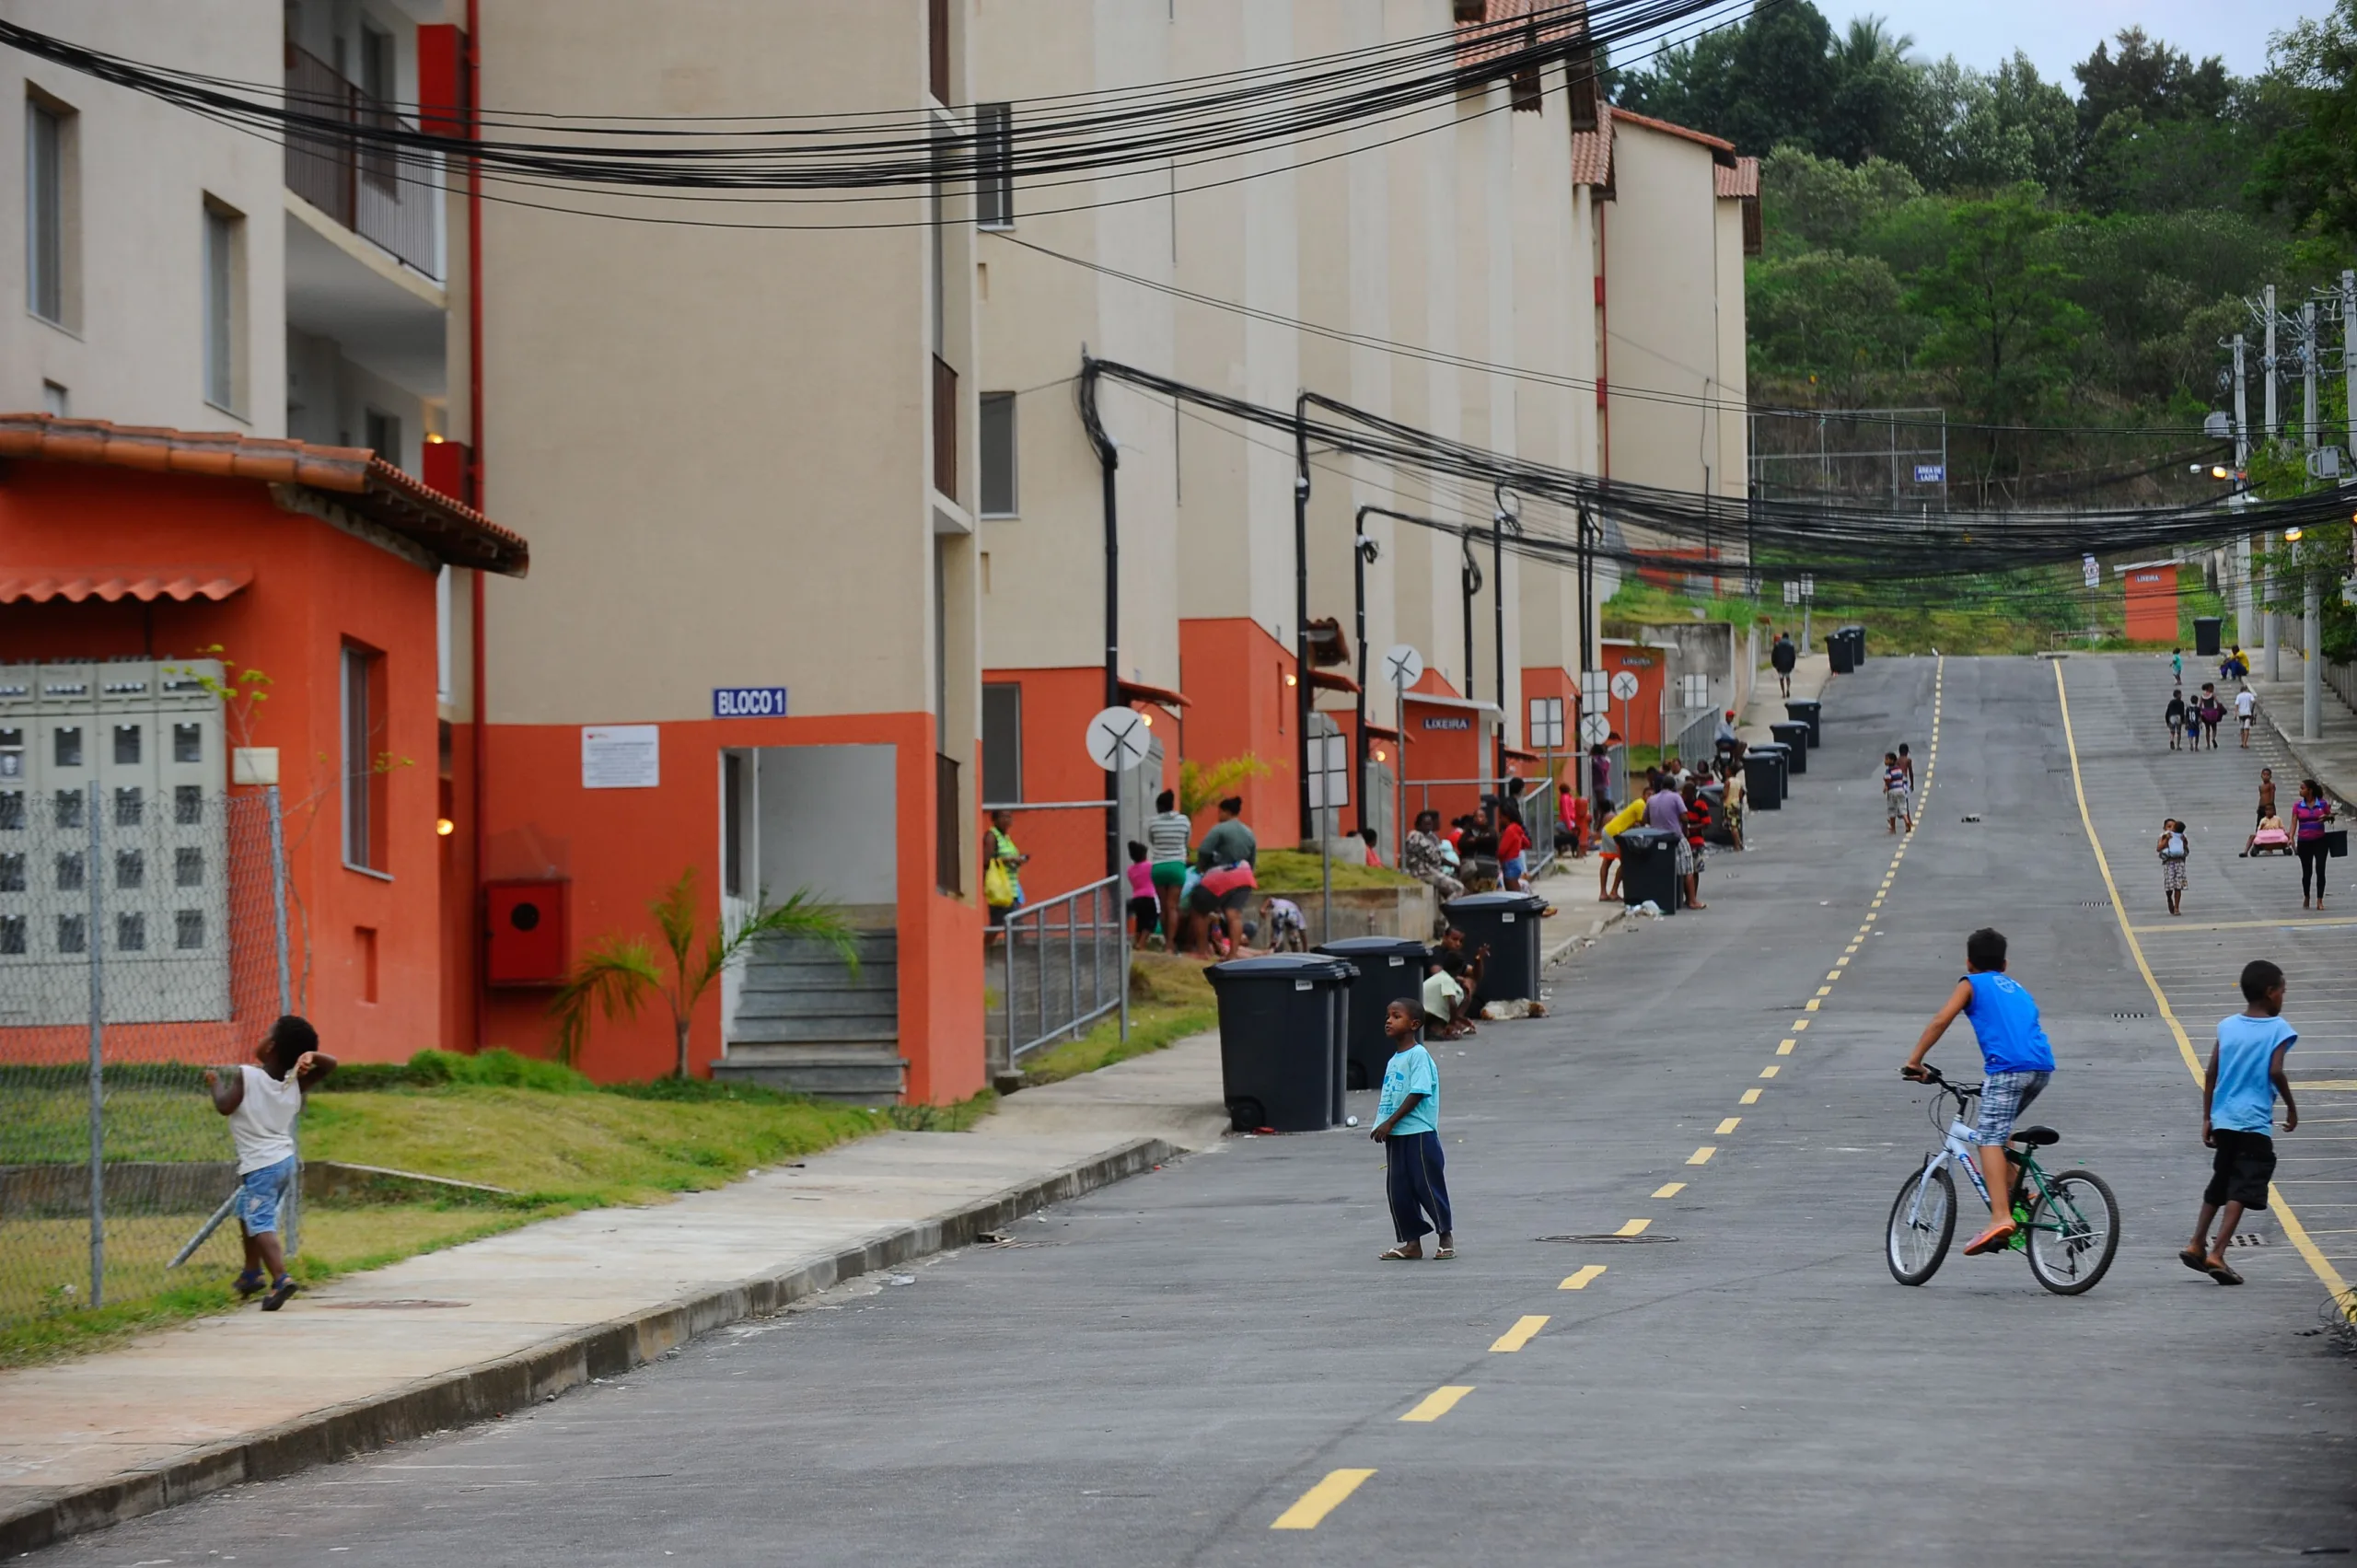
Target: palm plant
{"x":1200,"y":787}
{"x":616,"y":975}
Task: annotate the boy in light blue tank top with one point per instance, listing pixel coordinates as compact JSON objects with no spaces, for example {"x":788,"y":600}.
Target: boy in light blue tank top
{"x":2019,"y":1060}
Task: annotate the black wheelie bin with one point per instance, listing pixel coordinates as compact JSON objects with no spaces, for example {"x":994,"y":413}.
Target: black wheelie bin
{"x":1280,"y":1037}
{"x":1649,"y":869}
{"x":1392,"y":968}
{"x":1508,"y":923}
{"x":1793,"y":735}
{"x":1810,"y":711}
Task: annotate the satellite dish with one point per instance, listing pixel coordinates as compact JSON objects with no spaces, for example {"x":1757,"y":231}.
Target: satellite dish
{"x":1402,"y":665}
{"x":1118,"y":738}
{"x":1624,"y":685}
{"x":1595,"y":728}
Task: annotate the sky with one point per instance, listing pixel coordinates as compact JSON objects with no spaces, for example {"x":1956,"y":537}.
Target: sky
{"x":2057,"y":34}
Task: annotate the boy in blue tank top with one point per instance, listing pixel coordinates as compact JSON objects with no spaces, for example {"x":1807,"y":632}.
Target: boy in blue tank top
{"x":2019,"y":1060}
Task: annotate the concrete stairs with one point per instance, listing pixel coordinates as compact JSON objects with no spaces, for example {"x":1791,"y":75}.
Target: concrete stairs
{"x":805,"y":1025}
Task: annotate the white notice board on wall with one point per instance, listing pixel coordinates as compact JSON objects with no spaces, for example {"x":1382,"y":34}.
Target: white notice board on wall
{"x":621,"y":756}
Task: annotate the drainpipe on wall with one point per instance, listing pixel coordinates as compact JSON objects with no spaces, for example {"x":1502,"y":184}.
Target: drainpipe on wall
{"x":472,"y":76}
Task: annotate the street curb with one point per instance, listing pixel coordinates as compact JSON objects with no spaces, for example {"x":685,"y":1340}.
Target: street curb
{"x":529,"y":1377}
{"x":1565,"y":948}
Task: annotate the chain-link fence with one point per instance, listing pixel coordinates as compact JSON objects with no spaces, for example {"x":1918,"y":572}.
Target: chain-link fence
{"x":143,"y":935}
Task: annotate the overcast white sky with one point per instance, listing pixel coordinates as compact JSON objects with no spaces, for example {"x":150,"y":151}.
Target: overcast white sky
{"x":2057,"y":34}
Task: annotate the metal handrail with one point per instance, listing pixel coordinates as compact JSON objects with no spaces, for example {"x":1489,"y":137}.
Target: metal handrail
{"x":1107,"y":939}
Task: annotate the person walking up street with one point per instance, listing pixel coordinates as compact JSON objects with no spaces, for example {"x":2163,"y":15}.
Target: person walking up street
{"x":1896,"y":808}
{"x":2309,"y":814}
{"x":1783,"y":656}
{"x":2176,"y":666}
{"x":2193,"y":726}
{"x":1409,"y":1129}
{"x":2239,"y":1095}
{"x":2214,"y":714}
{"x":1908,"y":762}
{"x":2174,"y":716}
{"x":2245,"y":711}
{"x":2173,"y":848}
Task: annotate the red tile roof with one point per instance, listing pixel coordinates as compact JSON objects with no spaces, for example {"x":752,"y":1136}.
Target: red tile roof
{"x":363,"y":482}
{"x":1715,"y":144}
{"x":39,"y":584}
{"x":1739,"y":180}
{"x":1509,"y":25}
{"x":1161,"y":696}
{"x":1591,"y":154}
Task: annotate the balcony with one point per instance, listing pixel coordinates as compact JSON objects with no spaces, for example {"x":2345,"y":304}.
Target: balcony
{"x":369,"y":192}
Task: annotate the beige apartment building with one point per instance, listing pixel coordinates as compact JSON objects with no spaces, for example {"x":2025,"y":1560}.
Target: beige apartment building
{"x":1489,"y":273}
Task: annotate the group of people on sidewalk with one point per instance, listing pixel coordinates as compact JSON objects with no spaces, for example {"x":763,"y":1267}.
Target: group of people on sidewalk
{"x":1687,"y":801}
{"x":2311,"y":838}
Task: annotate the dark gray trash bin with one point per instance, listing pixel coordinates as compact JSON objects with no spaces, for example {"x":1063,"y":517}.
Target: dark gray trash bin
{"x":1810,"y":711}
{"x":1282,"y":1024}
{"x":1782,"y":755}
{"x":2205,"y":636}
{"x":1857,"y":636}
{"x":1763,"y":781}
{"x":1794,"y":735}
{"x":1649,"y":869}
{"x":1509,"y":924}
{"x":1837,"y":653}
{"x":1392,"y":968}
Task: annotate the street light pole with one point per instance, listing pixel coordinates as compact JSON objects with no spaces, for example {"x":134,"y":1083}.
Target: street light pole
{"x":1301,"y":603}
{"x":1363,"y":552}
{"x":1501,"y":519}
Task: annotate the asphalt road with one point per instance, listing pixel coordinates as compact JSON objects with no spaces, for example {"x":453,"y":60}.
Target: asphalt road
{"x":1157,"y":1374}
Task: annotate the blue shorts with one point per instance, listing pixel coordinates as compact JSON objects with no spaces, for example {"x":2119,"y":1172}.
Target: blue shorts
{"x":262,"y":1193}
{"x":2004,"y":1096}
{"x":1512,"y":870}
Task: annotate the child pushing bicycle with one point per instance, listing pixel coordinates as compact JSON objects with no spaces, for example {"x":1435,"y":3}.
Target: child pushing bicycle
{"x":2017,"y":1059}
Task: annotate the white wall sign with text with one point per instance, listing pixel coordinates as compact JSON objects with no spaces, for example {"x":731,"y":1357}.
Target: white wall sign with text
{"x":621,"y":756}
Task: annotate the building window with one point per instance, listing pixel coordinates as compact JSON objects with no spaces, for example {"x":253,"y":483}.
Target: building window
{"x":131,"y":933}
{"x":68,"y":805}
{"x":188,"y":868}
{"x":12,"y":873}
{"x":55,"y":400}
{"x":66,"y":747}
{"x":130,"y":807}
{"x":363,"y":774}
{"x":732,"y":824}
{"x":187,"y":930}
{"x":994,"y":164}
{"x":12,"y":809}
{"x":130,"y":869}
{"x":51,"y":268}
{"x":72,"y":934}
{"x":12,"y":934}
{"x":1001,"y":743}
{"x":69,"y":873}
{"x":383,"y":436}
{"x":188,"y":805}
{"x":936,"y":38}
{"x":997,"y":414}
{"x":225,"y":269}
{"x":188,"y":743}
{"x":126,"y":745}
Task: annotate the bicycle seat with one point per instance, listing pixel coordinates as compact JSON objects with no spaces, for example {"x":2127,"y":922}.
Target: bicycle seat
{"x":2037,"y":1137}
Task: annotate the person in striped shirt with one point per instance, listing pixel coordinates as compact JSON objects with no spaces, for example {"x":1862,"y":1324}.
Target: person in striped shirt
{"x":1167,"y":833}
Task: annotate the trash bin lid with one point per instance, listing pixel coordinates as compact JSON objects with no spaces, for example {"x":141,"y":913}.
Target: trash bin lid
{"x":1281,"y":969}
{"x":1475,"y":903}
{"x":1375,"y":948}
{"x":1774,"y":747}
{"x":1647,"y":838}
{"x":1802,"y":704}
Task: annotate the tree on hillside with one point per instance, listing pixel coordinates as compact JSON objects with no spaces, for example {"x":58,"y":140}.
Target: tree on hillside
{"x":2002,"y":321}
{"x":2309,"y":170}
{"x":2150,"y":78}
{"x":2011,"y":125}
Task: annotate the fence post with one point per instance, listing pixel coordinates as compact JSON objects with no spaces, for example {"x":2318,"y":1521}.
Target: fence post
{"x":98,"y":1073}
{"x":294,"y":1216}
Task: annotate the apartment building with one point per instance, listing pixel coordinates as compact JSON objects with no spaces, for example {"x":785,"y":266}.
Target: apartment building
{"x":1483,"y":269}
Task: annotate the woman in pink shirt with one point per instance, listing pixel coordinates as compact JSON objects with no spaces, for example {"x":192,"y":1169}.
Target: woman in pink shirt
{"x":2309,"y":814}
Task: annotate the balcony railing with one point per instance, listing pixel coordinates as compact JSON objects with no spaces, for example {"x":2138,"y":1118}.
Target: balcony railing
{"x":368,"y":189}
{"x":944,"y":428}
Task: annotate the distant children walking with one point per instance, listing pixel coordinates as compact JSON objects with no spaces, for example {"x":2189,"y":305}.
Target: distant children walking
{"x":1897,"y":806}
{"x":2174,"y":716}
{"x":1407,"y":1126}
{"x":261,"y":1103}
{"x":2174,"y":847}
{"x":2238,"y":1096}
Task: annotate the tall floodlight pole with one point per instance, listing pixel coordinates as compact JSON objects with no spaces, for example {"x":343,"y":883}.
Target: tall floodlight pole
{"x":2267,"y":356}
{"x":2246,"y":602}
{"x":2309,"y":375}
{"x":1301,"y":600}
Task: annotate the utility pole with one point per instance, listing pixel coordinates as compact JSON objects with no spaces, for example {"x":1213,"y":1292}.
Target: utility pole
{"x":2309,"y":375}
{"x":2244,"y":600}
{"x":1500,"y":521}
{"x":2267,"y":356}
{"x":2348,"y":359}
{"x":1301,"y":706}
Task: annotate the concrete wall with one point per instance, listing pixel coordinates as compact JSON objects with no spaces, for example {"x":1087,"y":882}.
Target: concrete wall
{"x":826,"y":818}
{"x":139,"y":176}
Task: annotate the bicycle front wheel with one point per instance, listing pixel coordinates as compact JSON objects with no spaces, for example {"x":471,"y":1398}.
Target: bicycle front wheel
{"x":1922,"y":1222}
{"x":2074,"y":1231}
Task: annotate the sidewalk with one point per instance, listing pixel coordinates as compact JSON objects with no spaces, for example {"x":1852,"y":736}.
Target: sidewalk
{"x":1809,"y":679}
{"x":470,"y":1333}
{"x":2331,"y":761}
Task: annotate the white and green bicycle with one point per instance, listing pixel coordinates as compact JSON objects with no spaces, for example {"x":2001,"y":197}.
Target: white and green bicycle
{"x":2069,"y":1222}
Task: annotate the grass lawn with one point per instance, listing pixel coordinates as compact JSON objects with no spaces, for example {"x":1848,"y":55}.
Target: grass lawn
{"x":1294,"y":869}
{"x":555,"y":1150}
{"x":1170,"y":999}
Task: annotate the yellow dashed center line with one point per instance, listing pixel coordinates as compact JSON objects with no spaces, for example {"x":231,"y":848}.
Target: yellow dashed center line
{"x":1670,"y":1190}
{"x":1440,"y":1401}
{"x":1750,"y":1096}
{"x":1587,"y":1274}
{"x":1525,"y":1329}
{"x":1728,"y":1125}
{"x":1813,"y":1003}
{"x":1634,"y":1227}
{"x":1784,"y":1046}
{"x":1799,"y":1024}
{"x":1770,"y":1070}
{"x":1702,"y":1155}
{"x":1320,"y":1500}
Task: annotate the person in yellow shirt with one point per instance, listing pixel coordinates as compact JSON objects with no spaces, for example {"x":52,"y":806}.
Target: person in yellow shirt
{"x":1608,"y":873}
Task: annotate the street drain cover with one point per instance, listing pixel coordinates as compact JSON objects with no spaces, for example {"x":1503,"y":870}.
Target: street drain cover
{"x":2095,"y":903}
{"x":1609,"y":1240}
{"x":2131,"y":1017}
{"x":398,"y":1304}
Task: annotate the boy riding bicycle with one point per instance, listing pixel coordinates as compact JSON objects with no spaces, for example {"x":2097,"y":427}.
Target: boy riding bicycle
{"x":2017,"y":1059}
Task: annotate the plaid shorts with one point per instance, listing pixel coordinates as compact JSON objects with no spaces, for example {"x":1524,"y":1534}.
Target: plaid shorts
{"x":1894,"y":804}
{"x":2004,"y":1096}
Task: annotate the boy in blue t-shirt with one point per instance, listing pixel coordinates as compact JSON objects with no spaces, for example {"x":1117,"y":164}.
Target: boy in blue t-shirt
{"x":1407,"y":1126}
{"x":2239,"y":1116}
{"x":2017,"y":1061}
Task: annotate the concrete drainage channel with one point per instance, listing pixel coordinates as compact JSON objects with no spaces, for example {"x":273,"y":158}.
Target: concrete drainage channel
{"x":494,"y":1388}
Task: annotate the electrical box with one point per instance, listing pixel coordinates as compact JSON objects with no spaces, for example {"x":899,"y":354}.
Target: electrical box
{"x":526,"y":931}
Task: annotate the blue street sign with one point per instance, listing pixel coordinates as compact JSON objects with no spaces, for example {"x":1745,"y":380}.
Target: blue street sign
{"x":1931,"y":473}
{"x":748,"y":701}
